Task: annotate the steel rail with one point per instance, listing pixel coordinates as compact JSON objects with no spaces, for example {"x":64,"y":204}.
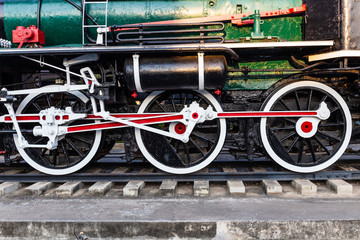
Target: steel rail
{"x":158,"y":177}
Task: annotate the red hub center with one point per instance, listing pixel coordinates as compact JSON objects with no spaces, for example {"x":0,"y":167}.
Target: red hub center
{"x":306,"y":127}
{"x":180,"y":128}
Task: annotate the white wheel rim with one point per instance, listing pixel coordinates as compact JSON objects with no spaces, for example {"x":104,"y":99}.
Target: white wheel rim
{"x":204,"y":163}
{"x":336,"y":156}
{"x":62,"y":171}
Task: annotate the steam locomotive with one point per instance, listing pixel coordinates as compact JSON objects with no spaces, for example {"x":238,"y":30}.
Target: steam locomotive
{"x":179,"y":82}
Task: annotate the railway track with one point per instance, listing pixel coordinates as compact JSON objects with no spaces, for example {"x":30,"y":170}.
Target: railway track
{"x":347,"y":168}
{"x":113,"y":176}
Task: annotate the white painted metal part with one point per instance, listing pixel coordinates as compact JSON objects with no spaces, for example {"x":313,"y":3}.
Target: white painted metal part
{"x":94,"y":148}
{"x":341,"y":149}
{"x":201,"y":66}
{"x":210,"y":158}
{"x":112,"y":49}
{"x":334,"y":54}
{"x":307,"y":127}
{"x":136,"y":66}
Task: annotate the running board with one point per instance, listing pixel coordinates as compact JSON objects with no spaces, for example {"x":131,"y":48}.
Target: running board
{"x":167,"y":48}
{"x":335,"y":54}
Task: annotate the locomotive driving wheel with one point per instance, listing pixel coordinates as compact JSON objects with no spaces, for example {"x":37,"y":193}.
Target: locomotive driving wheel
{"x":175,"y":156}
{"x":74,"y":150}
{"x":306,"y":144}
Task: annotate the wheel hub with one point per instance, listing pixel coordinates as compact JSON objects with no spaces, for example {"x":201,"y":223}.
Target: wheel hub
{"x":180,"y":128}
{"x":307,"y":127}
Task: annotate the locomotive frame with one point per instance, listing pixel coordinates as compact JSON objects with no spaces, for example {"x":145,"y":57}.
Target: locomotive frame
{"x":77,"y":108}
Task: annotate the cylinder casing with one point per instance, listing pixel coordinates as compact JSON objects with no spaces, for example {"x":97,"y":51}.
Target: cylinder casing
{"x":176,"y":72}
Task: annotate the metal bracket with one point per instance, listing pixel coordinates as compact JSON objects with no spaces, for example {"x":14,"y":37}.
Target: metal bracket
{"x":136,"y":66}
{"x":50,"y":120}
{"x":78,"y":60}
{"x":85,"y":72}
{"x":21,"y":139}
{"x":257,"y":33}
{"x":81,"y":59}
{"x":201,"y":66}
{"x":102,"y":31}
{"x":5,"y":97}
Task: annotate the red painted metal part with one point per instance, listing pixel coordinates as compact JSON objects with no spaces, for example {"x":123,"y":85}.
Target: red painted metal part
{"x":30,"y":34}
{"x":149,"y":117}
{"x":180,"y":128}
{"x":154,"y":118}
{"x":91,"y":127}
{"x":34,"y":118}
{"x":98,"y":126}
{"x":23,"y":118}
{"x":218,"y":92}
{"x":161,"y":119}
{"x":266,"y":14}
{"x":131,"y":115}
{"x":267,"y":114}
{"x":306,"y":127}
{"x":234,"y":18}
{"x":134,"y":95}
{"x":195,"y":115}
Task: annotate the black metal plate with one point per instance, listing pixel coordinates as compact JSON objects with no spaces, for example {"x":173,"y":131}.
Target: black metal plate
{"x":322,"y":20}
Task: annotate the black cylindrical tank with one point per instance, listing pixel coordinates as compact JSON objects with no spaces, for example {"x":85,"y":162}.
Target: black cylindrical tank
{"x":175,"y":72}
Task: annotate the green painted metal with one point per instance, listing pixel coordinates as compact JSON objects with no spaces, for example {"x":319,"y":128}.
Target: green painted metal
{"x":286,"y":28}
{"x":61,"y":22}
{"x":257,"y":33}
{"x":256,"y":80}
{"x":289,"y":28}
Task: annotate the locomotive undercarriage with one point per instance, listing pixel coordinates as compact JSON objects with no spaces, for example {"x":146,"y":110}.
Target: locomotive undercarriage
{"x":66,"y":120}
